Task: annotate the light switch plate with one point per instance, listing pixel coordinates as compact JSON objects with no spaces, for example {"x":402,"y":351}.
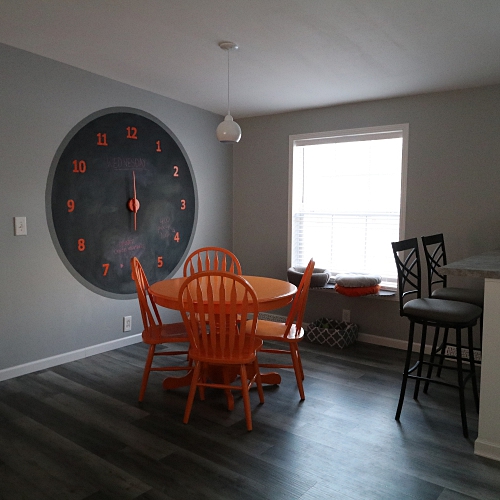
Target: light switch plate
{"x":20,"y":228}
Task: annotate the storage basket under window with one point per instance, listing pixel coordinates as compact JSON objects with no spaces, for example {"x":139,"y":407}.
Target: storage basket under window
{"x":337,"y":334}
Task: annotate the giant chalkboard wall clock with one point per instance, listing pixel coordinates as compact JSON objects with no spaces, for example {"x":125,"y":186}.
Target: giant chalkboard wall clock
{"x":121,"y":185}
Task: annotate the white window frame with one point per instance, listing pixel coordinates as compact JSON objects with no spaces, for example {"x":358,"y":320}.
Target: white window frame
{"x":364,"y":133}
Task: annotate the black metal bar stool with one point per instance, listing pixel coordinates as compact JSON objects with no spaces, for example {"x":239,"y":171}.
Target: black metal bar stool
{"x":435,"y":257}
{"x":437,"y":313}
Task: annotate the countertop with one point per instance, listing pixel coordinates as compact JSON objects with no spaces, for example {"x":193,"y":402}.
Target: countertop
{"x":485,"y":265}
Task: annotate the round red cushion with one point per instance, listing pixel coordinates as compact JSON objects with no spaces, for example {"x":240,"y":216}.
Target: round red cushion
{"x":357,"y":291}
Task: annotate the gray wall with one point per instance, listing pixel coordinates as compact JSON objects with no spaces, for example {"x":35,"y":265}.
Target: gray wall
{"x":453,"y":174}
{"x":44,"y":310}
{"x":453,"y":186}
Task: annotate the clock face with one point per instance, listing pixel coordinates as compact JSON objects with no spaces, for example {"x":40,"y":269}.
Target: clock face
{"x":121,"y":186}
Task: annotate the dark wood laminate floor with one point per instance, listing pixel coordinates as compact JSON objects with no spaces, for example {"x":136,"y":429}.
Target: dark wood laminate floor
{"x":77,"y":432}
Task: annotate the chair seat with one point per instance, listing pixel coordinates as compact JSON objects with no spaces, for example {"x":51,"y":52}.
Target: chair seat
{"x":469,"y":295}
{"x":170,"y":332}
{"x":442,"y":311}
{"x":272,"y":330}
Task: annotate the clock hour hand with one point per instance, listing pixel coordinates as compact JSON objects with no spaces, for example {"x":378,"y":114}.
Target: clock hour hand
{"x":133,"y":204}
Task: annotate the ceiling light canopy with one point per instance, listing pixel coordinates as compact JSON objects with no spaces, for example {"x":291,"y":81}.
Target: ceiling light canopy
{"x":228,"y":131}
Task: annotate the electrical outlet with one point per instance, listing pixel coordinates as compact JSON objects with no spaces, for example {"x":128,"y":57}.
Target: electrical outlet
{"x":127,"y":323}
{"x":346,"y":315}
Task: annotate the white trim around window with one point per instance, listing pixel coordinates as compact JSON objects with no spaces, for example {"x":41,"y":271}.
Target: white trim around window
{"x":318,"y":215}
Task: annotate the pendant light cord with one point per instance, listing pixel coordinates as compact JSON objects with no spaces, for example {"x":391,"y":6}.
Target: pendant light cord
{"x":228,"y":82}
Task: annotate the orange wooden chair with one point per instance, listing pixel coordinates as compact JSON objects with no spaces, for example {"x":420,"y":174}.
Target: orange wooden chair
{"x":211,"y":304}
{"x":211,"y":259}
{"x":291,"y":332}
{"x":155,"y":332}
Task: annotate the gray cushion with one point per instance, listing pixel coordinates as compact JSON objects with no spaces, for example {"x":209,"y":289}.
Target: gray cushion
{"x":469,"y":295}
{"x":443,"y":311}
{"x":356,"y":280}
{"x":319,"y":277}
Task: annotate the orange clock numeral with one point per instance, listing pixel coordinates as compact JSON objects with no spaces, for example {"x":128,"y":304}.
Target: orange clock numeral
{"x":176,"y":171}
{"x":158,"y":147}
{"x":160,"y":261}
{"x":71,"y":205}
{"x":81,"y":244}
{"x":183,"y":204}
{"x":131,"y":133}
{"x":106,"y":268}
{"x":102,"y":140}
{"x":177,"y":237}
{"x":79,"y":167}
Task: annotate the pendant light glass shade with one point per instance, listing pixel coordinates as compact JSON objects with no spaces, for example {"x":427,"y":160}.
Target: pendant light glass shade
{"x":228,"y":131}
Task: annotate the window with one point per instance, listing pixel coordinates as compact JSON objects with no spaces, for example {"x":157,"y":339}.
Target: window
{"x":348,"y":198}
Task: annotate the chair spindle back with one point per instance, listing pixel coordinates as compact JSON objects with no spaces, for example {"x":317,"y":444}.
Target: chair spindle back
{"x":409,"y":270}
{"x":211,"y":259}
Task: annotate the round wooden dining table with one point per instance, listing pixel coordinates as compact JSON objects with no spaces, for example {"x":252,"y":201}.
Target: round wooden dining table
{"x":271,"y":294}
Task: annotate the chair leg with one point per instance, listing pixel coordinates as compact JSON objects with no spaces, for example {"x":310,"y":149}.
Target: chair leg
{"x":229,"y":396}
{"x":431,"y":360}
{"x":294,"y":351}
{"x":147,"y":369}
{"x":473,"y":368}
{"x":461,"y":383}
{"x":443,"y":352}
{"x":405,"y":371}
{"x":192,"y":391}
{"x":203,"y":378}
{"x":300,"y":362}
{"x":420,"y":360}
{"x":258,"y":380}
{"x":246,"y":396}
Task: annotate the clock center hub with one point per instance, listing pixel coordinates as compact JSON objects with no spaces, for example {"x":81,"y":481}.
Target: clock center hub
{"x":133,"y":205}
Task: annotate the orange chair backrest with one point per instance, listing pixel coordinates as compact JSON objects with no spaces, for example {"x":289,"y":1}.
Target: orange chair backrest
{"x":298,"y":308}
{"x":215,"y":307}
{"x":149,"y":311}
{"x":212,"y":259}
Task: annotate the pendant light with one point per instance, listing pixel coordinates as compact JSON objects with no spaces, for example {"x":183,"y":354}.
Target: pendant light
{"x":228,"y":131}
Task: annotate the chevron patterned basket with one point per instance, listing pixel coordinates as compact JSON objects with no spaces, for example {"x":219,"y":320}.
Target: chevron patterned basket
{"x":338,"y":334}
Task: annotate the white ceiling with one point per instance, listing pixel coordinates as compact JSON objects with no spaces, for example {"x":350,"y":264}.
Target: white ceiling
{"x":293,"y":54}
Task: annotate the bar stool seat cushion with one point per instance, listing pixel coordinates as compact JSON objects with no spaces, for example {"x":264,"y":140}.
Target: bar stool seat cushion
{"x":469,"y":295}
{"x":442,"y":311}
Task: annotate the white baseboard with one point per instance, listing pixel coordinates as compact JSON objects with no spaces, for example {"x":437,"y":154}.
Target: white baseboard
{"x":384,"y":341}
{"x":486,"y":449}
{"x":388,"y":342}
{"x":42,"y":364}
